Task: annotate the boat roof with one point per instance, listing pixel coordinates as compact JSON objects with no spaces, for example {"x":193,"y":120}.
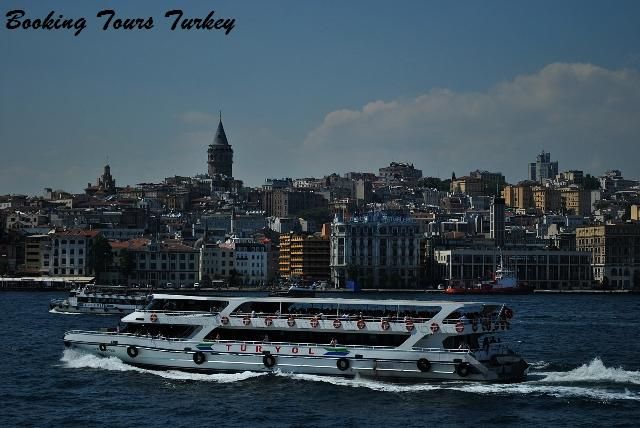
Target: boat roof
{"x":339,"y":300}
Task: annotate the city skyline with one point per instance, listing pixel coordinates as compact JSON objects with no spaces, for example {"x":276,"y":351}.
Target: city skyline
{"x":339,"y":88}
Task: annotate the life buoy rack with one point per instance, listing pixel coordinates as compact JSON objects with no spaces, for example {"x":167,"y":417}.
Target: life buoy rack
{"x":384,"y":324}
{"x":224,"y":320}
{"x":423,"y":365}
{"x":337,"y":324}
{"x":268,"y":321}
{"x":463,"y":369}
{"x":291,"y":321}
{"x":132,"y":351}
{"x":459,"y":327}
{"x":409,"y":324}
{"x":342,"y":364}
{"x":246,"y":320}
{"x":199,"y":358}
{"x":361,"y":324}
{"x":153,"y":317}
{"x":508,"y":312}
{"x":102,"y":347}
{"x":269,"y":361}
{"x":314,"y":322}
{"x":434,"y":327}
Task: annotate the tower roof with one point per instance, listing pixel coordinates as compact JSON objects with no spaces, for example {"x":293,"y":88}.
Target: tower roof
{"x":220,"y":138}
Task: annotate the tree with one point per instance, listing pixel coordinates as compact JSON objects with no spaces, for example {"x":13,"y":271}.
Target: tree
{"x":435,"y":183}
{"x":127,"y":263}
{"x":590,"y":183}
{"x":100,"y":256}
{"x":318,"y":215}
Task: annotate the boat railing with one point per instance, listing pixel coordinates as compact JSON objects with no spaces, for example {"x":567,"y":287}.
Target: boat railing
{"x":171,"y":313}
{"x":329,"y":317}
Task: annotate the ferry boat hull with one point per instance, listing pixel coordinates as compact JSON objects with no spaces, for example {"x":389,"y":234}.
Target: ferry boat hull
{"x":410,"y":361}
{"x":306,"y":360}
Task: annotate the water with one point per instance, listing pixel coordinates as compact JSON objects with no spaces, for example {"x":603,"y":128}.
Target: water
{"x":583,"y":349}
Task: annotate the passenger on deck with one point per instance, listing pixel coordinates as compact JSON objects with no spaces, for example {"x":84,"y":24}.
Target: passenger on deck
{"x":333,"y":342}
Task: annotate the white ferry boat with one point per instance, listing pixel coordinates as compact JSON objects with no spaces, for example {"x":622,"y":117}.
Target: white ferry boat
{"x":394,"y":339}
{"x":99,"y":300}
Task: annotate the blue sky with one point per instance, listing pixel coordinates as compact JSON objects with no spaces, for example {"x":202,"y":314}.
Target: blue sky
{"x":310,"y":88}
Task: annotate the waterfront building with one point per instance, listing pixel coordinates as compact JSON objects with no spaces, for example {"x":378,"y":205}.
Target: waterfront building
{"x":546,"y":199}
{"x":252,"y":260}
{"x":220,"y":154}
{"x":377,"y":250}
{"x":543,"y":169}
{"x":304,"y":257}
{"x":158,"y":263}
{"x":635,"y":212}
{"x":37,"y":254}
{"x":614,"y":250}
{"x":71,"y":252}
{"x":215,"y":262}
{"x":537,"y":267}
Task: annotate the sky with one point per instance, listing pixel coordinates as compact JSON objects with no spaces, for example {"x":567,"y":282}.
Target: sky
{"x":312,"y":88}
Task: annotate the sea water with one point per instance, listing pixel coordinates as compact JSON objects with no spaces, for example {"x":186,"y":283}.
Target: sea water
{"x":583,"y":350}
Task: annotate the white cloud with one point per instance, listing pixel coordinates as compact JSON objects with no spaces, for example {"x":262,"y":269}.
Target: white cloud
{"x":587,"y":116}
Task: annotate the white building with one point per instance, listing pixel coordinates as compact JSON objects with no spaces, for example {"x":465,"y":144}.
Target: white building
{"x":376,"y":250}
{"x":71,"y":251}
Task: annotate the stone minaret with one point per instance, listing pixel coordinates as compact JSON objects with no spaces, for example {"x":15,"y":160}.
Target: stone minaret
{"x":220,"y":154}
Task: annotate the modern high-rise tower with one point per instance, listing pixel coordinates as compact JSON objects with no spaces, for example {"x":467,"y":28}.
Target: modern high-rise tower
{"x":543,"y":169}
{"x":220,"y":154}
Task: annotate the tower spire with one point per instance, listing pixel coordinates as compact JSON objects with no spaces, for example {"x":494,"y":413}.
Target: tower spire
{"x":220,"y":111}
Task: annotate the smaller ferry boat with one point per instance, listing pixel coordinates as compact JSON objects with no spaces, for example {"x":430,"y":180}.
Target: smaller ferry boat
{"x":382,"y":339}
{"x":98,"y":300}
{"x":504,"y":281}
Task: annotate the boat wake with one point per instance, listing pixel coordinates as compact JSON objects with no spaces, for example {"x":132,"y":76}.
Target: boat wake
{"x":594,"y":372}
{"x":576,"y":383}
{"x":74,"y":359}
{"x":593,"y":381}
{"x":55,"y":311}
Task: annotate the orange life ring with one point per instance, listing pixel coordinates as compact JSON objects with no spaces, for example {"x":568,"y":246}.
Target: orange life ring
{"x":361,"y":324}
{"x":384,"y":324}
{"x":224,"y":320}
{"x":246,"y":320}
{"x":153,"y":317}
{"x":409,"y":324}
{"x":268,"y":321}
{"x":337,"y":324}
{"x":459,"y":327}
{"x":314,"y":322}
{"x":434,"y":327}
{"x":291,"y":321}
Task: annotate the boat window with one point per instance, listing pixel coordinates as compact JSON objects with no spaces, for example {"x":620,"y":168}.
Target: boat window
{"x":306,"y":336}
{"x":467,"y":341}
{"x":186,"y":305}
{"x":169,"y":331}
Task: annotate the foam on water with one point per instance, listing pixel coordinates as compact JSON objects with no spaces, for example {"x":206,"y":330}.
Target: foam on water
{"x":526,"y":388}
{"x":553,"y":384}
{"x":595,"y":371}
{"x":74,"y":359}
